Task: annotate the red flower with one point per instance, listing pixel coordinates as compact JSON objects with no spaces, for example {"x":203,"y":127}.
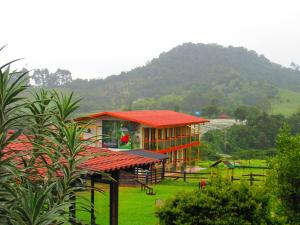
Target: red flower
{"x":125,"y":138}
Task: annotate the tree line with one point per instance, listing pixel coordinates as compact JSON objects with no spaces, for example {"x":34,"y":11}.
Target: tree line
{"x":254,"y":139}
{"x":45,"y":78}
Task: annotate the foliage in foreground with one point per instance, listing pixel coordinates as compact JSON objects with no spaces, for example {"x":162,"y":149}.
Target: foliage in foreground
{"x":285,"y":176}
{"x":226,"y":204}
{"x":36,"y":186}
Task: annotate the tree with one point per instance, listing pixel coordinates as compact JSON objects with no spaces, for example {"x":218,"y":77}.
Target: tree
{"x":211,"y":110}
{"x":285,"y":175}
{"x":241,"y":113}
{"x":295,"y":66}
{"x":226,"y":204}
{"x":40,"y":76}
{"x":294,"y":122}
{"x":64,"y":77}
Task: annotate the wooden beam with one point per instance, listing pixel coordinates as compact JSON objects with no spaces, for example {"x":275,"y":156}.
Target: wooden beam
{"x":114,"y":198}
{"x":93,"y":218}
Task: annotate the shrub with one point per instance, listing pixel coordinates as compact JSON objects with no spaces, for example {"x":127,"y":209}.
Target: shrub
{"x":285,"y":175}
{"x":231,"y":204}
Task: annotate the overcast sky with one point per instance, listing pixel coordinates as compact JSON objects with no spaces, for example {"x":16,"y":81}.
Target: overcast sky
{"x":100,"y":38}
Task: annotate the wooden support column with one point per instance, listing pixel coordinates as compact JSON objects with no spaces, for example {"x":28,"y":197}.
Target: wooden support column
{"x":163,"y":136}
{"x":186,"y":135}
{"x":143,"y":138}
{"x":93,"y":218}
{"x":97,"y":137}
{"x":170,"y":137}
{"x":156,"y":138}
{"x":114,"y":198}
{"x":190,"y":148}
{"x":181,"y":135}
{"x":163,"y":169}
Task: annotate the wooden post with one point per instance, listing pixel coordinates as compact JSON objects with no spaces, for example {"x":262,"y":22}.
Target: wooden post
{"x":155,"y":173}
{"x":93,"y":218}
{"x":184,"y":175}
{"x":199,"y":132}
{"x":163,"y":136}
{"x":114,"y":198}
{"x":181,"y":135}
{"x":156,"y":137}
{"x":186,"y":140}
{"x":251,"y":179}
{"x":163,"y":169}
{"x":97,"y":140}
{"x":143,"y":138}
{"x":190,"y":148}
{"x":170,"y":137}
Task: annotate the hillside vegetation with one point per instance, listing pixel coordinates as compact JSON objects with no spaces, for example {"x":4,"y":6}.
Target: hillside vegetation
{"x":287,"y":103}
{"x":193,"y":77}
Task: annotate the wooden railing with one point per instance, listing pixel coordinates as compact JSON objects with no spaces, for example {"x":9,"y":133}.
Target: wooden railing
{"x":169,"y":142}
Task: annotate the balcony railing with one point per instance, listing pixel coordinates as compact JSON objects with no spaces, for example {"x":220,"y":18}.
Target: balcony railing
{"x":169,"y":142}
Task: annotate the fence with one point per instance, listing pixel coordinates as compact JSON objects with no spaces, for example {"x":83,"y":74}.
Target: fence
{"x":251,"y":177}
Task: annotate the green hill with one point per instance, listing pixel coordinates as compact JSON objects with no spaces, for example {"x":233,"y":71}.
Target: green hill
{"x":193,"y":77}
{"x":287,"y":102}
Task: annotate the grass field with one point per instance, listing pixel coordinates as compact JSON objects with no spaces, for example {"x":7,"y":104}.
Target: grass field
{"x":137,"y":208}
{"x":288,"y":103}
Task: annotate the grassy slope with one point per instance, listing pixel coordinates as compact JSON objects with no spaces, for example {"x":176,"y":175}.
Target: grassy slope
{"x":137,"y":208}
{"x":288,"y":103}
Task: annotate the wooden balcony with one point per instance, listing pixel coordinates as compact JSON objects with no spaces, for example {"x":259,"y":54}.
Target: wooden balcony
{"x":171,"y":142}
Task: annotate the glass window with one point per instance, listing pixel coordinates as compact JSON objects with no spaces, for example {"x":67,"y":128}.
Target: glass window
{"x":121,"y":134}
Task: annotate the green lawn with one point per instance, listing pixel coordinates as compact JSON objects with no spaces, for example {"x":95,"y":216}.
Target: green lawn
{"x":137,"y":208}
{"x":287,"y":104}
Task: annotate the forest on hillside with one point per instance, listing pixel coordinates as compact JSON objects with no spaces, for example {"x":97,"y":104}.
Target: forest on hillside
{"x":191,"y":77}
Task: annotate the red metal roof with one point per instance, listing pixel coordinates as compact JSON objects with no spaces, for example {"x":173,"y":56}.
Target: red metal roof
{"x":107,"y":160}
{"x":103,"y":159}
{"x":152,"y":118}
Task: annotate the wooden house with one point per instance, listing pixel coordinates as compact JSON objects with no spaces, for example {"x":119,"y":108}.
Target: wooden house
{"x":162,"y":131}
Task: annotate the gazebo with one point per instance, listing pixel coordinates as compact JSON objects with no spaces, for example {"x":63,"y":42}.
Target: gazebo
{"x":102,"y":161}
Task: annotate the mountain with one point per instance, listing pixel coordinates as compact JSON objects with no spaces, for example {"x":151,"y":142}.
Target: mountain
{"x":192,"y":77}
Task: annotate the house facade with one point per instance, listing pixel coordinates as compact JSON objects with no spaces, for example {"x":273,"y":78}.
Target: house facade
{"x":162,"y":131}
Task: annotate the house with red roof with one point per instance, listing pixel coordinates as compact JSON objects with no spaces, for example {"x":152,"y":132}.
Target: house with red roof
{"x":162,"y":131}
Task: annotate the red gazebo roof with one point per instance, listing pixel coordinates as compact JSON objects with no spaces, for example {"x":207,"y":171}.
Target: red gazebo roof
{"x":103,"y":160}
{"x":152,"y":118}
{"x":108,"y":160}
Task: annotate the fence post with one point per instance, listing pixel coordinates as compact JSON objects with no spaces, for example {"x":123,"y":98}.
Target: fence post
{"x":251,"y":179}
{"x":184,"y":176}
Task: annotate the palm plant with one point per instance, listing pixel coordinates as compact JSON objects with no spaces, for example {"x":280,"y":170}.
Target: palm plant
{"x":12,"y":86}
{"x":57,"y":150}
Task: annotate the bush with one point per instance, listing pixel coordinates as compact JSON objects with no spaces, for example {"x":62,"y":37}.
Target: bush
{"x":231,"y":204}
{"x":285,"y":175}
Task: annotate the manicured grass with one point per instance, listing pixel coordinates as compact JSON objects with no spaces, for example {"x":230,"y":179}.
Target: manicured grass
{"x":287,"y":104}
{"x":137,"y":208}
